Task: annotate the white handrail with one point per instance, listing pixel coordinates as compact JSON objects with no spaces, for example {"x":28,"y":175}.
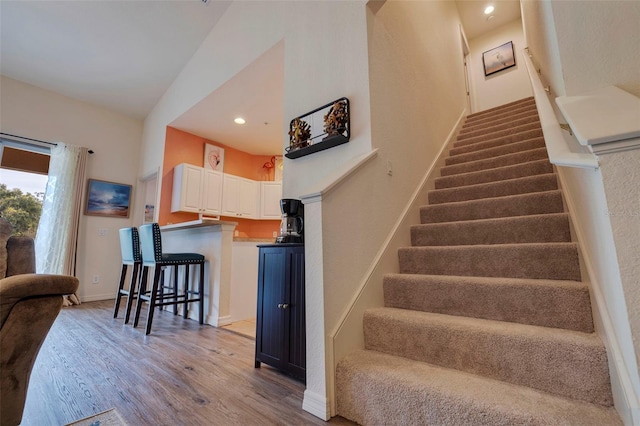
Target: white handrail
{"x":557,"y":148}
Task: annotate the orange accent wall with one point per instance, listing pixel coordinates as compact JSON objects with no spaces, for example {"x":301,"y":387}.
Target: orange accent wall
{"x":183,"y":147}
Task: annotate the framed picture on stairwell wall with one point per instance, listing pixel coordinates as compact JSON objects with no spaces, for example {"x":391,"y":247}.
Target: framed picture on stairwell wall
{"x":498,"y":59}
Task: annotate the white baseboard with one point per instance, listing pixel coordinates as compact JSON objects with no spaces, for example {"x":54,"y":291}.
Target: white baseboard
{"x":316,"y":404}
{"x":96,"y":298}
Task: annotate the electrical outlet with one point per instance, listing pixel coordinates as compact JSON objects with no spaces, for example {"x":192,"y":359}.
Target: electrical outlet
{"x":103,"y":232}
{"x":275,"y":234}
{"x":96,"y":279}
{"x":236,"y":233}
{"x":389,"y":168}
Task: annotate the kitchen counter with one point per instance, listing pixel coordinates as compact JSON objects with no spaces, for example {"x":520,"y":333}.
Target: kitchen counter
{"x":253,"y":240}
{"x":196,"y":224}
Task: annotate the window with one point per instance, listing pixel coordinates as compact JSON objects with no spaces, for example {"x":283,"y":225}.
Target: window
{"x":23,"y":179}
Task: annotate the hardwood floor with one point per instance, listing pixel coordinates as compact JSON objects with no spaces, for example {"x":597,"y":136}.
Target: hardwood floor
{"x":181,"y":374}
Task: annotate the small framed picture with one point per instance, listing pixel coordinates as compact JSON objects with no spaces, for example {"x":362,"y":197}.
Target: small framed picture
{"x":108,"y":199}
{"x":213,"y":157}
{"x":498,"y":59}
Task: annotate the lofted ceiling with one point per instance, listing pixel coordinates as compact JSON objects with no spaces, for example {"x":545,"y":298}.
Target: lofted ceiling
{"x":119,"y":54}
{"x":123,"y":55}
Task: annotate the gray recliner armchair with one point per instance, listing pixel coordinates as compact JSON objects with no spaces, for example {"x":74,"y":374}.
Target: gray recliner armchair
{"x":29,"y":304}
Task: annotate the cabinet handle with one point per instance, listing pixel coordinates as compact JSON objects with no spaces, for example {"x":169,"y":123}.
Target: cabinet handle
{"x":283,"y":305}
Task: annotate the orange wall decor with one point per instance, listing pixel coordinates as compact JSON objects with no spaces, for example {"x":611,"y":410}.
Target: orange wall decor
{"x":183,"y":147}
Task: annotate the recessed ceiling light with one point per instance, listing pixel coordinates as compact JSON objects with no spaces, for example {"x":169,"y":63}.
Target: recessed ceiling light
{"x":488,"y":10}
{"x":239,"y":120}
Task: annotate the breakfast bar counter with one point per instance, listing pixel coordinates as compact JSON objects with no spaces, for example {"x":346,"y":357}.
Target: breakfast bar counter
{"x":213,"y":239}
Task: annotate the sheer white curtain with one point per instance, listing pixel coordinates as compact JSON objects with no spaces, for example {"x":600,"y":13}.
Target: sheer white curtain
{"x":57,"y":236}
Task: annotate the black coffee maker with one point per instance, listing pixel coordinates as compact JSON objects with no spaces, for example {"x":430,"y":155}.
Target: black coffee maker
{"x":292,"y":221}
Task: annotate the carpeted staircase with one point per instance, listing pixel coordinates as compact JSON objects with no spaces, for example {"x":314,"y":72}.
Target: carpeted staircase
{"x":488,"y":322}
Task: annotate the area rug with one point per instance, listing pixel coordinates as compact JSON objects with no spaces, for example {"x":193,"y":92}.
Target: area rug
{"x":106,"y":418}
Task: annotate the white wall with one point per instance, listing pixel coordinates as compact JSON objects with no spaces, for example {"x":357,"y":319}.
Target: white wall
{"x":621,"y":174}
{"x":602,"y":38}
{"x":31,"y":112}
{"x":417,"y":100}
{"x":505,"y":86}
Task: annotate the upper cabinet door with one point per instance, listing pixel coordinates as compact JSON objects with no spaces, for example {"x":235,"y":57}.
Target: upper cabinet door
{"x":212,"y":192}
{"x":270,"y":195}
{"x":239,"y":197}
{"x":248,"y":198}
{"x":230,"y":194}
{"x":187,"y":188}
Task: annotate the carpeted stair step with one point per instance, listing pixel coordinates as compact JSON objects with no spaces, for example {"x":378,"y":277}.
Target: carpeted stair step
{"x":546,"y":303}
{"x":516,"y":120}
{"x":513,"y":205}
{"x":462,"y":140}
{"x":492,"y":163}
{"x":497,"y":151}
{"x":493,"y":133}
{"x":553,"y":261}
{"x":478,"y":145}
{"x":373,"y":388}
{"x":561,"y":362}
{"x":530,"y":111}
{"x":537,"y":183}
{"x":488,"y":121}
{"x":509,"y":230}
{"x":531,"y":168}
{"x":492,"y":143}
{"x":501,"y":109}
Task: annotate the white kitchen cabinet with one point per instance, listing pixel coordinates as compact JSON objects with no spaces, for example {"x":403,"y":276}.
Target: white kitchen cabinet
{"x":239,"y":197}
{"x":270,"y":195}
{"x":196,"y":190}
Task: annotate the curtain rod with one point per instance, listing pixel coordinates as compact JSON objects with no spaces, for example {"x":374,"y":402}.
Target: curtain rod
{"x":34,"y":140}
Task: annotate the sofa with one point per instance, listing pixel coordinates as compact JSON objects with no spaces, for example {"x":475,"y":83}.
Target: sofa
{"x":29,"y":304}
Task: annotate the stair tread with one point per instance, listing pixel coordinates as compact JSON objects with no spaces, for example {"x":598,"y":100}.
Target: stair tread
{"x":493,"y":162}
{"x":442,"y":396}
{"x":504,"y":206}
{"x":493,"y":174}
{"x":525,"y":331}
{"x":493,"y":281}
{"x":552,"y":227}
{"x":548,"y":303}
{"x":465,"y":139}
{"x":545,"y":358}
{"x":518,"y":114}
{"x":500,"y":247}
{"x":505,"y":107}
{"x":506,"y":187}
{"x":495,"y":151}
{"x":519,"y":260}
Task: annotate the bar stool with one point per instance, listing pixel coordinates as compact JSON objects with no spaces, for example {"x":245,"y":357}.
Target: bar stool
{"x":153,"y":257}
{"x":130,"y":252}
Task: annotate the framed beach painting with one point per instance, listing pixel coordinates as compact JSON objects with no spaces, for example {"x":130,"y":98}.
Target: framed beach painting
{"x":213,"y":157}
{"x":498,"y":59}
{"x":108,"y":199}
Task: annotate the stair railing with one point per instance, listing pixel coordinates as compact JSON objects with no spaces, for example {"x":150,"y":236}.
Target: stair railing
{"x":558,"y":149}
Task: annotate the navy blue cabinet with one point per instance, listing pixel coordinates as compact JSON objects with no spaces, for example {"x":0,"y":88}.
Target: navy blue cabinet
{"x":280,"y":319}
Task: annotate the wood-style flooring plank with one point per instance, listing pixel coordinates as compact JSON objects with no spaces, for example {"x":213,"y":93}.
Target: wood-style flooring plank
{"x":181,"y":374}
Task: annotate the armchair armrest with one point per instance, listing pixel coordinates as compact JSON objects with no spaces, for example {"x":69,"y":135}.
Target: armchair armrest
{"x":18,"y":287}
